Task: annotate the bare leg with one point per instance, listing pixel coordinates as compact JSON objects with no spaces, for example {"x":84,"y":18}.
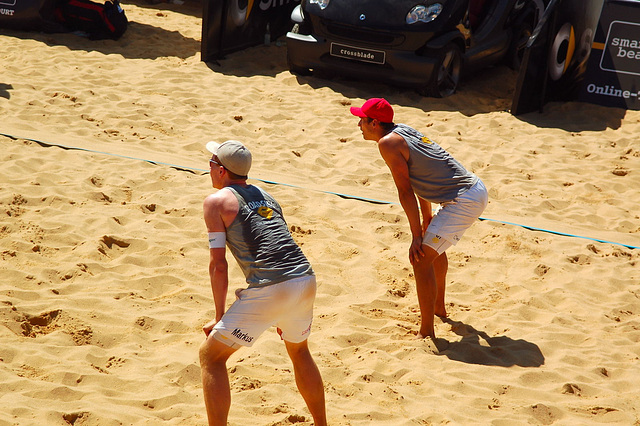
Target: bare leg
{"x":308,"y":380}
{"x":215,"y":380}
{"x":427,"y":289}
{"x":441,"y":266}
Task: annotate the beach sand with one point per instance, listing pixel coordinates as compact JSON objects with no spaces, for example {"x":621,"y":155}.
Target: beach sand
{"x":103,"y":272}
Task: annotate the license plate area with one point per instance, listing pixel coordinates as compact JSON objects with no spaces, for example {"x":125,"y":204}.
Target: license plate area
{"x":357,"y":53}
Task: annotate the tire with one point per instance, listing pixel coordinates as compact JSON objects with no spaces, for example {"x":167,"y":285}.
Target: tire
{"x":446,"y":76}
{"x":294,"y":69}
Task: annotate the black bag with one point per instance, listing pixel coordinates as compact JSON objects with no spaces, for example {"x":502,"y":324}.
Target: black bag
{"x":99,"y":21}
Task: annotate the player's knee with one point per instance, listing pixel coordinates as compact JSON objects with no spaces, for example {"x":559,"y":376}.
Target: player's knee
{"x":212,"y":351}
{"x":297,"y":350}
{"x":208,"y":353}
{"x":430,"y":255}
{"x":204,"y":352}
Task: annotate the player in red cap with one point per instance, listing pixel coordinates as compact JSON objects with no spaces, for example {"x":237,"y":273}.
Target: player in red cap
{"x":425,"y":173}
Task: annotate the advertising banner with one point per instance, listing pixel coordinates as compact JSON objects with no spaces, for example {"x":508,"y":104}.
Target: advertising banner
{"x":557,"y":54}
{"x":29,"y":15}
{"x":613,"y":73}
{"x":232,"y":25}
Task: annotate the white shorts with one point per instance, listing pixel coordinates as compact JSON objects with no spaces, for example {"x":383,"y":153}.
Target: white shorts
{"x":287,"y":305}
{"x":455,"y":217}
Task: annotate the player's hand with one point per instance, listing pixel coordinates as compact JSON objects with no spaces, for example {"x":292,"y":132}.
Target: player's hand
{"x":208,"y":327}
{"x":415,"y":251}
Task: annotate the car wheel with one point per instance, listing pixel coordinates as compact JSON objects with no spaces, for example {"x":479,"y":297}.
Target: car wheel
{"x":295,"y":69}
{"x":446,"y":75}
{"x":519,"y":46}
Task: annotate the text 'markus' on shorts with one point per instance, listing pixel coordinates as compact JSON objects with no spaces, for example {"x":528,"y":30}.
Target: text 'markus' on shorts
{"x":455,"y":217}
{"x":287,"y":305}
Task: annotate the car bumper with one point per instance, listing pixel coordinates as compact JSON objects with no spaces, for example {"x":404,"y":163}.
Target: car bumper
{"x":403,"y":68}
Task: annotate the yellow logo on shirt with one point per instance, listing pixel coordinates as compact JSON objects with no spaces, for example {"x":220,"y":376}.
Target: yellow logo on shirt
{"x":426,"y":140}
{"x":435,"y":240}
{"x":265,"y":212}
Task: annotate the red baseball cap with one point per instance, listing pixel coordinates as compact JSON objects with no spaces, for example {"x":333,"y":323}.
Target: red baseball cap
{"x":377,"y":108}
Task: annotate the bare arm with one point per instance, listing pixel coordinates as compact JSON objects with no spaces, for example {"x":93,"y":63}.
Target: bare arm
{"x":219,"y":211}
{"x":218,"y":275}
{"x":395,"y":152}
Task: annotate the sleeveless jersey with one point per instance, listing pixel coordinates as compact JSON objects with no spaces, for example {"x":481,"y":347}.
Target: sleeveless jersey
{"x":260,"y":240}
{"x":434,"y":174}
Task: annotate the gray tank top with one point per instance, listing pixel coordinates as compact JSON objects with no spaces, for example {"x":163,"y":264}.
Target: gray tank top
{"x":434,"y":174}
{"x":260,"y":240}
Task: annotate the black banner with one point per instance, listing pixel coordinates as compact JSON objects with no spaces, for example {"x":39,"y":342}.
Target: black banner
{"x":29,"y":15}
{"x":556,"y":58}
{"x":613,"y":73}
{"x":232,"y":25}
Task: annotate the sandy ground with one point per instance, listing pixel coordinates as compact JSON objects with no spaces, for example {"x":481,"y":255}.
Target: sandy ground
{"x":103,"y":272}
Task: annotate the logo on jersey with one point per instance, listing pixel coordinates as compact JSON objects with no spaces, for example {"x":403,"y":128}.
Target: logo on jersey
{"x":265,"y":212}
{"x":426,"y":140}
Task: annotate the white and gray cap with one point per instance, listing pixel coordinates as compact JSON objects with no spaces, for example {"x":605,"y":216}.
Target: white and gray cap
{"x":233,"y":156}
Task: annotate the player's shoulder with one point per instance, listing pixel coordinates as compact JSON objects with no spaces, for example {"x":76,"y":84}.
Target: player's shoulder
{"x":219,"y":198}
{"x":391,"y":141}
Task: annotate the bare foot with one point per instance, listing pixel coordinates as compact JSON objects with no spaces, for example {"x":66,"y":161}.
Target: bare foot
{"x":425,"y":334}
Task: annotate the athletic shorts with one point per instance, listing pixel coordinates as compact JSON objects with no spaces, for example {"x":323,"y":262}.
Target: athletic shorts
{"x":287,"y":305}
{"x":455,"y":217}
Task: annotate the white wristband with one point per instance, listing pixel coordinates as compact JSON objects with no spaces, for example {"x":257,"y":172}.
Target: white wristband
{"x":217,"y":239}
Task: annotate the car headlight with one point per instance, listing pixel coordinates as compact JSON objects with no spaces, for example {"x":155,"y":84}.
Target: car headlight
{"x":421,"y":13}
{"x":322,"y":4}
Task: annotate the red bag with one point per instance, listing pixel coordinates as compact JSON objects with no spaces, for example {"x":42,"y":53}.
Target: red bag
{"x":99,"y":21}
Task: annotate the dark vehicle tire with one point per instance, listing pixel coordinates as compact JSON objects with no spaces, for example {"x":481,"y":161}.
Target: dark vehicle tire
{"x":518,"y":46}
{"x":446,"y":75}
{"x":294,"y":68}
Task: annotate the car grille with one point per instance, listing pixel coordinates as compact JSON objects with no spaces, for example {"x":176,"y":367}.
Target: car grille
{"x":367,"y":36}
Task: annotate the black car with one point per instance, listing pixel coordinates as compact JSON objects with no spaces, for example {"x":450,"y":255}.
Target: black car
{"x":424,"y":44}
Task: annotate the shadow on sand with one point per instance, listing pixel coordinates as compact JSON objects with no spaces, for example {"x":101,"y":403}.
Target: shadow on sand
{"x":4,"y":90}
{"x":489,"y":90}
{"x":186,"y":7}
{"x":477,"y":347}
{"x":140,"y":41}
